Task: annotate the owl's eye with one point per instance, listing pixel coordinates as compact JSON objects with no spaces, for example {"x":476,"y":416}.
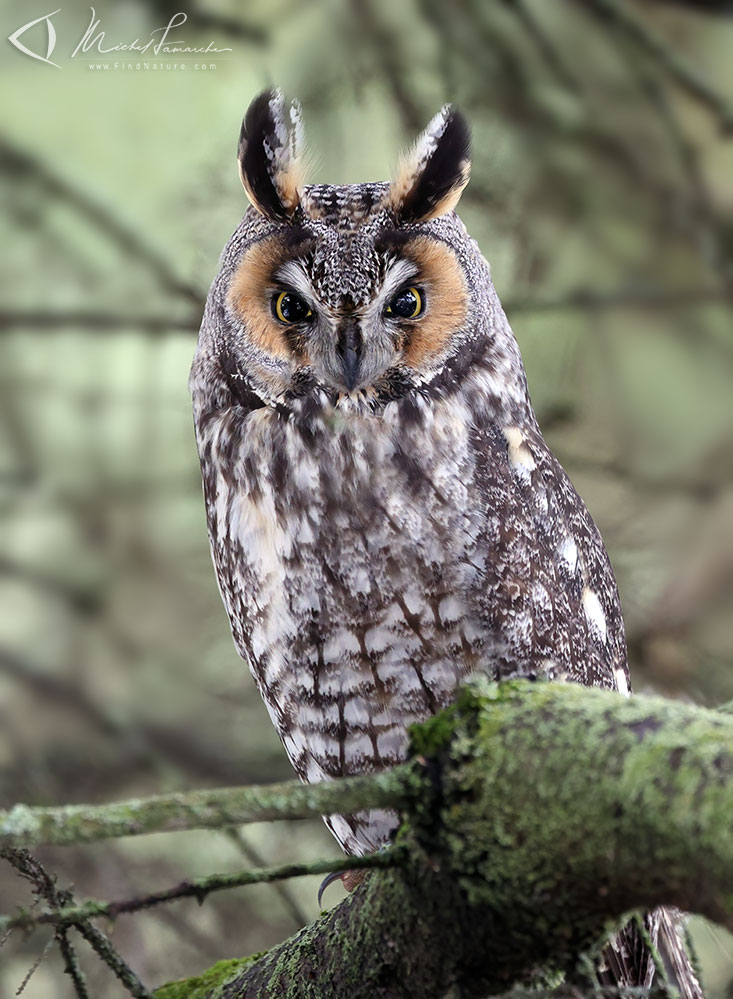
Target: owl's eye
{"x":407,"y":304}
{"x":290,"y":308}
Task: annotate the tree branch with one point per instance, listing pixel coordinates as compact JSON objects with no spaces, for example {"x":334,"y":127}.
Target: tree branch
{"x":24,"y":825}
{"x":533,"y":815}
{"x":253,"y":856}
{"x":200,"y":889}
{"x":546,"y":811}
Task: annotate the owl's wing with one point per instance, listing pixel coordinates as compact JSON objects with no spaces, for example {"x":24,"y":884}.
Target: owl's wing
{"x":553,"y":563}
{"x":549,"y":588}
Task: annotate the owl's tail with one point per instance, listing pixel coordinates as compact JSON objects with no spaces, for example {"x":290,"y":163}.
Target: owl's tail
{"x":628,"y":960}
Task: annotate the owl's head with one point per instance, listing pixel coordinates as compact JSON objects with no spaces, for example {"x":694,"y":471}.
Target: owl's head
{"x":358,"y":291}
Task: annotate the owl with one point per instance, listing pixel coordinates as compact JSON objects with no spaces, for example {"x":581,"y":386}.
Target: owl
{"x":385,"y":517}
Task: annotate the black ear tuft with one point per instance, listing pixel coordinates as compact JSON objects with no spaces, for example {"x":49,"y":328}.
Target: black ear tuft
{"x":432,"y":177}
{"x":269,"y":154}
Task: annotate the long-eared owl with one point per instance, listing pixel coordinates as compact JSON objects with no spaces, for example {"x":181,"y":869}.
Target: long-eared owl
{"x":385,"y":517}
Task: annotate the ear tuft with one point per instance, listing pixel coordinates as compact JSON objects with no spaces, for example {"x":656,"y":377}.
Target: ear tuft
{"x":270,"y":155}
{"x":432,"y":176}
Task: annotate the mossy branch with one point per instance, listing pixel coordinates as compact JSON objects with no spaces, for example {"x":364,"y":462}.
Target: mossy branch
{"x":546,"y":813}
{"x":535,"y":815}
{"x":26,"y":826}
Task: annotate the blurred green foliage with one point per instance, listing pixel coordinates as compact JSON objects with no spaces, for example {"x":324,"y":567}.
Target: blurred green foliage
{"x":602,"y":196}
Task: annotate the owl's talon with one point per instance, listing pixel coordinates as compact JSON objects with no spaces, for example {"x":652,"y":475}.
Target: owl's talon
{"x":349,"y":879}
{"x":328,"y":880}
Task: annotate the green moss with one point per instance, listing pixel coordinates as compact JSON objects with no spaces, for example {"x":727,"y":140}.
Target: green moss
{"x":209,"y":985}
{"x":535,"y":813}
{"x":432,"y":737}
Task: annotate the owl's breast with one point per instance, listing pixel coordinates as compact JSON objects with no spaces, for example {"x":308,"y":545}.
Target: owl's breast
{"x":343,"y":555}
{"x":369,"y":563}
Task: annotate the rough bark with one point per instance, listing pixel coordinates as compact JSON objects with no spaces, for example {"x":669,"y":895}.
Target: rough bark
{"x":538,"y":815}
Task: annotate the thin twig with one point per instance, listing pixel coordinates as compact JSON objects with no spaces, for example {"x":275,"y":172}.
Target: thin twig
{"x":71,"y":963}
{"x":231,"y":26}
{"x":19,"y":162}
{"x":713,"y":7}
{"x":701,"y":214}
{"x":35,"y":966}
{"x":281,"y":890}
{"x":61,"y":900}
{"x":686,"y":76}
{"x":546,"y":48}
{"x":588,"y":298}
{"x":42,"y":319}
{"x":44,"y":886}
{"x":201,"y":888}
{"x":103,"y":948}
{"x":384,"y":42}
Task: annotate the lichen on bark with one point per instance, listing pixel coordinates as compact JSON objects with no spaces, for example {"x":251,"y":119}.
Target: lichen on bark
{"x":536,"y":815}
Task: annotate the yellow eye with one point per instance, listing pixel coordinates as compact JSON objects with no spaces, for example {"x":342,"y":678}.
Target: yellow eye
{"x":407,"y":304}
{"x":290,"y":308}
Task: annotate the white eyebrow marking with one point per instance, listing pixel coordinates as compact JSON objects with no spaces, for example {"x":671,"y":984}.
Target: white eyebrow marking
{"x":398,"y":273}
{"x":294,"y":275}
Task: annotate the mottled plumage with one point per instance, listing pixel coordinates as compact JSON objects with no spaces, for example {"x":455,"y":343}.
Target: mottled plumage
{"x":385,"y":516}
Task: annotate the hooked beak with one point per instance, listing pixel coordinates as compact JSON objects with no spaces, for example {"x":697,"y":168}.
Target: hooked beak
{"x":349,"y":349}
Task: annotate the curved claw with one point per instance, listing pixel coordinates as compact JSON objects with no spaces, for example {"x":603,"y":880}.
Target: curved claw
{"x":328,"y":880}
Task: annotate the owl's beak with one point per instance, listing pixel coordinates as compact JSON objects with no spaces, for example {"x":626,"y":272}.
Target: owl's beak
{"x":349,"y":350}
